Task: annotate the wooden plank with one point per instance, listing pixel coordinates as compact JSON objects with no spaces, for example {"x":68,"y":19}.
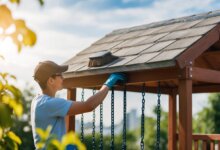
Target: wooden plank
{"x":199,"y":47}
{"x":206,"y":137}
{"x":121,"y":61}
{"x":132,"y":42}
{"x":158,"y":46}
{"x":70,"y":120}
{"x":134,"y":50}
{"x":212,"y":145}
{"x":218,"y":145}
{"x":208,"y":21}
{"x":143,"y":58}
{"x":183,"y":43}
{"x":204,"y":145}
{"x":212,"y":58}
{"x":190,"y":32}
{"x":137,"y":77}
{"x":129,"y":35}
{"x":166,"y":55}
{"x":196,"y":145}
{"x":172,"y":142}
{"x":209,"y":88}
{"x":185,"y":114}
{"x":205,"y":75}
{"x":152,"y":38}
{"x":202,"y":62}
{"x":135,"y":88}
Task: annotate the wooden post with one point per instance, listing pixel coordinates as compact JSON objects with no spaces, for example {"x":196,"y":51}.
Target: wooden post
{"x":185,"y":114}
{"x":70,"y":120}
{"x":172,"y":141}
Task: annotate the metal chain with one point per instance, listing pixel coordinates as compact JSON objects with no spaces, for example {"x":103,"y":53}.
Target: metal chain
{"x":142,"y":116}
{"x":112,"y":119}
{"x":101,"y":127}
{"x":125,"y":119}
{"x":158,"y":117}
{"x":93,"y":125}
{"x":82,"y":118}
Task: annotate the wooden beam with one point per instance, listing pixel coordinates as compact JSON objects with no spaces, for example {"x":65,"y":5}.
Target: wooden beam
{"x":133,"y":88}
{"x":70,"y":120}
{"x":133,"y":78}
{"x":205,"y":75}
{"x":198,"y":48}
{"x":209,"y":88}
{"x":185,"y":114}
{"x":172,"y":141}
{"x":212,"y":58}
{"x":206,"y":137}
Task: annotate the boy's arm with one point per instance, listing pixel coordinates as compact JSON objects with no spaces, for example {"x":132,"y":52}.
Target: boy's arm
{"x":95,"y":100}
{"x":90,"y":104}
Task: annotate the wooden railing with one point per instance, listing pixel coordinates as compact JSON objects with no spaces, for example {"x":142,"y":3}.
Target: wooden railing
{"x":207,"y":141}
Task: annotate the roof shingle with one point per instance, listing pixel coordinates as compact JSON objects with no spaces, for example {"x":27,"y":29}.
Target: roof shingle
{"x":151,"y":43}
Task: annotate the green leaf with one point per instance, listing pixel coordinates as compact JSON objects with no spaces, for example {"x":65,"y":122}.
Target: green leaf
{"x":41,"y":2}
{"x":5,"y":119}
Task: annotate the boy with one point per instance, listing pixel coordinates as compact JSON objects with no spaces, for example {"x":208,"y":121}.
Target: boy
{"x":46,"y":109}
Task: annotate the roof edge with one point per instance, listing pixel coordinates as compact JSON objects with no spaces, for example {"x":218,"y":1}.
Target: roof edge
{"x":137,"y":67}
{"x":167,"y":22}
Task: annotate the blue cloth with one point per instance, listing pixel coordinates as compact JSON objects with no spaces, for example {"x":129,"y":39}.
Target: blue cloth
{"x":45,"y":111}
{"x":114,"y":78}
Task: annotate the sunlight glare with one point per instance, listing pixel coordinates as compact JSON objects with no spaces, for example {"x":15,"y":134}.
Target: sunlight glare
{"x":7,"y":47}
{"x":1,"y":30}
{"x":10,"y":29}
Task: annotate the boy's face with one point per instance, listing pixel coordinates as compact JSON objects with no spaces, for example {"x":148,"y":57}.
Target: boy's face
{"x":56,"y":82}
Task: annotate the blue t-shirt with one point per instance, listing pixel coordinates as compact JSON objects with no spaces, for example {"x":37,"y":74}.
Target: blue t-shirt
{"x":45,"y":111}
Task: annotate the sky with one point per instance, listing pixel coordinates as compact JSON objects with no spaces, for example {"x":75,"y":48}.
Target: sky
{"x":65,"y":27}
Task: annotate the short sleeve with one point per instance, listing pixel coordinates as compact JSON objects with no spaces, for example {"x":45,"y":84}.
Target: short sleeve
{"x":58,"y":107}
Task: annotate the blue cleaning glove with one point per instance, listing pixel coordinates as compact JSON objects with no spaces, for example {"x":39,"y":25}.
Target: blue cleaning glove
{"x":114,"y":78}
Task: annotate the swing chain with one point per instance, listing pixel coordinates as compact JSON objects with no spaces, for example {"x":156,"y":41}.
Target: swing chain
{"x":93,"y":125}
{"x":158,"y":117}
{"x":82,"y":118}
{"x":142,"y":116}
{"x":124,"y":121}
{"x":112,"y":120}
{"x":101,"y":127}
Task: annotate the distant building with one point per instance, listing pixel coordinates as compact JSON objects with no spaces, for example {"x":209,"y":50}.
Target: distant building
{"x":132,"y":120}
{"x":131,"y":124}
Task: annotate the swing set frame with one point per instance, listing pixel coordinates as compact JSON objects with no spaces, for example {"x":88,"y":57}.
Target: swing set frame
{"x":196,"y":69}
{"x":191,"y":75}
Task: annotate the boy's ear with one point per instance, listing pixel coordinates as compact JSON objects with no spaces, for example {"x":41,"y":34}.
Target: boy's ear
{"x":50,"y":80}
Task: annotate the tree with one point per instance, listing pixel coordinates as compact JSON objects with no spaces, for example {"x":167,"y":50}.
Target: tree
{"x":207,"y":120}
{"x":151,"y":127}
{"x":22,"y":126}
{"x":10,"y":96}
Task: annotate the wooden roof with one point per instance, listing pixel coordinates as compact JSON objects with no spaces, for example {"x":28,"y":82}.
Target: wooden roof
{"x":155,"y":45}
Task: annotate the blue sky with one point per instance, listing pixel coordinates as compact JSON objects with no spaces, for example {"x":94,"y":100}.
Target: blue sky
{"x":65,"y":27}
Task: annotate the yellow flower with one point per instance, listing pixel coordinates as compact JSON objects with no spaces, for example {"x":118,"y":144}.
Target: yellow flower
{"x":40,"y":145}
{"x":71,"y":138}
{"x":44,"y":134}
{"x":56,"y":143}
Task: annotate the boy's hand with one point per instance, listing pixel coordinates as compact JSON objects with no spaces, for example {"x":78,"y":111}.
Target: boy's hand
{"x":114,"y":78}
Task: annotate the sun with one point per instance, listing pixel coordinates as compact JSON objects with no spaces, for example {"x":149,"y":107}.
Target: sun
{"x":7,"y":47}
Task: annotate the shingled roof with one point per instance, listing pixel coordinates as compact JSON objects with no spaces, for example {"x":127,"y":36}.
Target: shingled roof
{"x":155,"y":45}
